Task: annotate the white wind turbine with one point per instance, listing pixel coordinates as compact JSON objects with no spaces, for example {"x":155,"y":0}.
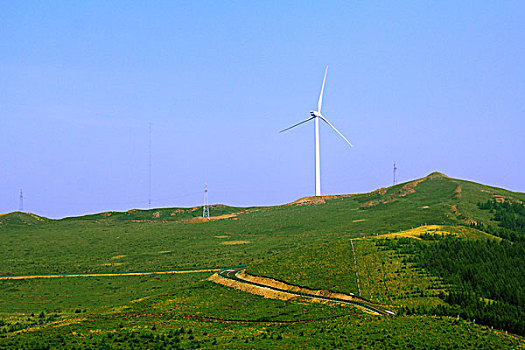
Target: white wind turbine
{"x":316,"y":115}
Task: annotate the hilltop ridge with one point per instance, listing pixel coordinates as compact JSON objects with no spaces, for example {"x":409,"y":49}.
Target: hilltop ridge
{"x":21,"y":218}
{"x":454,"y":197}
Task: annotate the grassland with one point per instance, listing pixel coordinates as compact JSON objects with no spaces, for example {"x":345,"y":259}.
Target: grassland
{"x":390,"y":279}
{"x":305,"y":243}
{"x":399,"y":270}
{"x":202,"y":314}
{"x":83,"y":293}
{"x":384,"y":277}
{"x":163,"y":240}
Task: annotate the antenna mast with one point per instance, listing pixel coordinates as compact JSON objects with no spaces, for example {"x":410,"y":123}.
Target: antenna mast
{"x":395,"y":175}
{"x":206,"y":207}
{"x":149,"y":167}
{"x":21,"y":202}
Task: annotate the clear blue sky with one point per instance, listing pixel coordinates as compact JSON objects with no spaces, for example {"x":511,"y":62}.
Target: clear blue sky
{"x":432,"y":85}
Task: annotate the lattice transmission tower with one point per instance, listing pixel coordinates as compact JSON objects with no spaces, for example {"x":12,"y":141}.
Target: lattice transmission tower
{"x":206,"y":206}
{"x":395,"y":174}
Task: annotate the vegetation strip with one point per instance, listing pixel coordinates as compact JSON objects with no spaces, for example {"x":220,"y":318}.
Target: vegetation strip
{"x":221,"y":319}
{"x":231,"y":274}
{"x":106,"y":274}
{"x":198,"y":318}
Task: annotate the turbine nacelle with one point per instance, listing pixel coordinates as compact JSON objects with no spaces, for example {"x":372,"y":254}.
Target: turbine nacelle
{"x":315,"y":114}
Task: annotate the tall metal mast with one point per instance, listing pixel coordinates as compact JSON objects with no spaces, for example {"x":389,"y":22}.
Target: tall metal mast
{"x":149,"y":167}
{"x":206,"y":207}
{"x":21,"y":201}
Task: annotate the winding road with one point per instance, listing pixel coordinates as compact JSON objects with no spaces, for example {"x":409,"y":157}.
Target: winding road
{"x":231,"y":274}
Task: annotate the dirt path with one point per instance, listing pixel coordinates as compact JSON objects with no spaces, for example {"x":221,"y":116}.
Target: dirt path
{"x":234,"y":277}
{"x":106,"y":274}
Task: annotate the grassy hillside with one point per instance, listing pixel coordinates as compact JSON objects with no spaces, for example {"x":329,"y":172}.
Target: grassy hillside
{"x":21,"y":219}
{"x":166,"y":238}
{"x":160,"y":214}
{"x":384,"y":276}
{"x":199,"y":314}
{"x":434,"y":269}
{"x":306,"y":242}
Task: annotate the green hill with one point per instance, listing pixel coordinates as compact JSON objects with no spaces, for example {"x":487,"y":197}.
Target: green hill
{"x":434,"y":199}
{"x":19,"y":218}
{"x":150,"y":239}
{"x":162,"y":214}
{"x":395,"y":232}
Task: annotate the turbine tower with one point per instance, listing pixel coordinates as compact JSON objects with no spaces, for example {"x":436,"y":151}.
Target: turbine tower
{"x":316,"y":115}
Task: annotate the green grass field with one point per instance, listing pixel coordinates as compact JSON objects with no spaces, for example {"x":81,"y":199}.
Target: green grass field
{"x":306,"y":243}
{"x":202,"y":314}
{"x":383,"y":276}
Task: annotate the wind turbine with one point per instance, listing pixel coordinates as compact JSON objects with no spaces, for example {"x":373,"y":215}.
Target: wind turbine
{"x":316,"y":115}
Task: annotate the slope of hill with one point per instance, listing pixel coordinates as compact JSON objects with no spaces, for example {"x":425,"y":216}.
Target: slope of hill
{"x":434,"y":199}
{"x":330,"y":266}
{"x":149,"y":240}
{"x":161,"y":214}
{"x":306,"y":242}
{"x":20,"y":218}
{"x":434,"y":269}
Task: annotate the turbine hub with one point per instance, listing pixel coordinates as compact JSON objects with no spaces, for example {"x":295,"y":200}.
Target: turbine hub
{"x":315,"y":114}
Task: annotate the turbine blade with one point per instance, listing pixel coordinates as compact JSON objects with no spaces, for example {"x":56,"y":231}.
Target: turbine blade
{"x":293,"y":126}
{"x":322,"y":90}
{"x":337,"y":131}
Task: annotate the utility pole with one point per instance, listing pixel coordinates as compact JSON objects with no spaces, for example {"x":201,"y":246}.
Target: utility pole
{"x":206,"y":207}
{"x":21,"y":202}
{"x":395,"y":175}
